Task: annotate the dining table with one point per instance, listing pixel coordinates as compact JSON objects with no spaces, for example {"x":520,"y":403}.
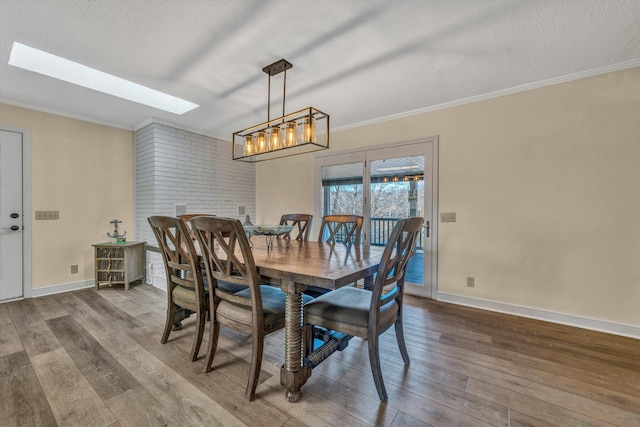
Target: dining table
{"x":295,"y":265}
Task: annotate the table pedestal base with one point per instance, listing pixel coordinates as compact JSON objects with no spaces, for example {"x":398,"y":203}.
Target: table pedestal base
{"x":293,"y":381}
{"x":332,"y":341}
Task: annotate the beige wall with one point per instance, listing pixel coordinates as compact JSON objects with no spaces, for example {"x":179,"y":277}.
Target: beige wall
{"x":546,"y":187}
{"x":83,"y":170}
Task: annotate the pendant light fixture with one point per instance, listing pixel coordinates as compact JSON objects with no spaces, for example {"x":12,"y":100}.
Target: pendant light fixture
{"x":301,"y":132}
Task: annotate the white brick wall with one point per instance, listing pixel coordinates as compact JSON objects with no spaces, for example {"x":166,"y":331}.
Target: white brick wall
{"x":174,"y":166}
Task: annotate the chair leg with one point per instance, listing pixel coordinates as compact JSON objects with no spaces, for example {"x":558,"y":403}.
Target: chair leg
{"x":401,"y":343}
{"x":374,"y":361}
{"x":256,"y":364}
{"x":197,"y":339}
{"x":214,"y":331}
{"x":168,"y":325}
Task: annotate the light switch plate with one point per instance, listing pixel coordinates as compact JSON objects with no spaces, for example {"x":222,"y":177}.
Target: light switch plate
{"x":448,"y":217}
{"x":47,"y":215}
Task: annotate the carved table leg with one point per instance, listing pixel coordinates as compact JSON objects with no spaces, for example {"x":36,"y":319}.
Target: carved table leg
{"x":293,"y":374}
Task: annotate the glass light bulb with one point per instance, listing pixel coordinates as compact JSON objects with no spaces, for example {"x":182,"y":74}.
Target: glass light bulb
{"x":261,"y":144}
{"x":309,"y":130}
{"x":275,"y":138}
{"x":291,"y":133}
{"x":248,"y":145}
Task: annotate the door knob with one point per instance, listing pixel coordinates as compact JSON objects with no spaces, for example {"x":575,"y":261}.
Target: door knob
{"x":14,"y":215}
{"x":427,"y":227}
{"x":12,"y":228}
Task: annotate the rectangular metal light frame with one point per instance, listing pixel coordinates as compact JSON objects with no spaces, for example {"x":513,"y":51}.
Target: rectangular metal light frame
{"x":321,"y":142}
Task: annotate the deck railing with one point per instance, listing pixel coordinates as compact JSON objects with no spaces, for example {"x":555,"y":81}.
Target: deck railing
{"x":381,"y":228}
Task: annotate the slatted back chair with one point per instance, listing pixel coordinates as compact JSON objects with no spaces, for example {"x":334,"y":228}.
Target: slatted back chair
{"x":257,"y":310}
{"x":366,"y":314}
{"x":186,"y":218}
{"x":301,"y":223}
{"x":345,"y":229}
{"x":185,"y":284}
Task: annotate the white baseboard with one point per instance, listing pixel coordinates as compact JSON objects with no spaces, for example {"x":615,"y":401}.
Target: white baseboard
{"x":549,"y":316}
{"x":162,"y":287}
{"x":65,"y":287}
{"x":533,"y":313}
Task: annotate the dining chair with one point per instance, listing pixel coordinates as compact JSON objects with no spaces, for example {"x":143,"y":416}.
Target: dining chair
{"x":185,"y":284}
{"x":301,"y":222}
{"x":186,"y":218}
{"x":257,"y":310}
{"x":367,"y":314}
{"x":345,"y":229}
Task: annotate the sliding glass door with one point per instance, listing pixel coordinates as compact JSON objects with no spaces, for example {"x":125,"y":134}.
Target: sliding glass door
{"x":397,"y":185}
{"x":397,"y":192}
{"x":383,"y":185}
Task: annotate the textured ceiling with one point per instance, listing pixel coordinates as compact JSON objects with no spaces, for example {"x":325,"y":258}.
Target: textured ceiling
{"x":356,"y":60}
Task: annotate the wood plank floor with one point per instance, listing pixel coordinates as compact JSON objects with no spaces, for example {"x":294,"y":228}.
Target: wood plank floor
{"x":88,"y":358}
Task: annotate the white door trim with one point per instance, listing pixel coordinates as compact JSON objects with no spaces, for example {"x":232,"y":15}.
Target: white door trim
{"x":435,"y":215}
{"x":26,"y":207}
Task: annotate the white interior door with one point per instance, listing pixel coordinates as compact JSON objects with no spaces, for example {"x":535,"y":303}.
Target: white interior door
{"x":11,"y":220}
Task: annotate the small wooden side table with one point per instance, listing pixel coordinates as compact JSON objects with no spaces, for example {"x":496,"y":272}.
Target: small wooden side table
{"x":117,"y":264}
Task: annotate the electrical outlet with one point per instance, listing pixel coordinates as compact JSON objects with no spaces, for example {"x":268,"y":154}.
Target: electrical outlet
{"x":74,"y":269}
{"x":448,"y":217}
{"x":470,"y":282}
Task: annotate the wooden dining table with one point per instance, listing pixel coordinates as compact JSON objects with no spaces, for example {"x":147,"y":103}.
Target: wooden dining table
{"x":294,"y":266}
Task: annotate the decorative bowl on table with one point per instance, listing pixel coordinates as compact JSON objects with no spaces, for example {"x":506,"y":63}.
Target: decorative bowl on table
{"x":267,"y":230}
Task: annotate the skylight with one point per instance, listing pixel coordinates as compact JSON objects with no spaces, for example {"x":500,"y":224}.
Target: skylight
{"x":41,"y":62}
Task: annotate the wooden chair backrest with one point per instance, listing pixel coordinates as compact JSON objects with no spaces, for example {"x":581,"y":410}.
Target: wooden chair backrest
{"x":179,"y":254}
{"x":345,"y":229}
{"x":301,"y":222}
{"x":186,"y":218}
{"x":393,"y":265}
{"x":218,"y":239}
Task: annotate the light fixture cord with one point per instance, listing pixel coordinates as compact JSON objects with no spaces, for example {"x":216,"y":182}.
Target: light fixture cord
{"x":284,"y":92}
{"x":269,"y":100}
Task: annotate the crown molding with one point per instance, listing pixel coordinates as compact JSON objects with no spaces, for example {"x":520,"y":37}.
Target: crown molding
{"x":55,"y":112}
{"x":503,"y":92}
